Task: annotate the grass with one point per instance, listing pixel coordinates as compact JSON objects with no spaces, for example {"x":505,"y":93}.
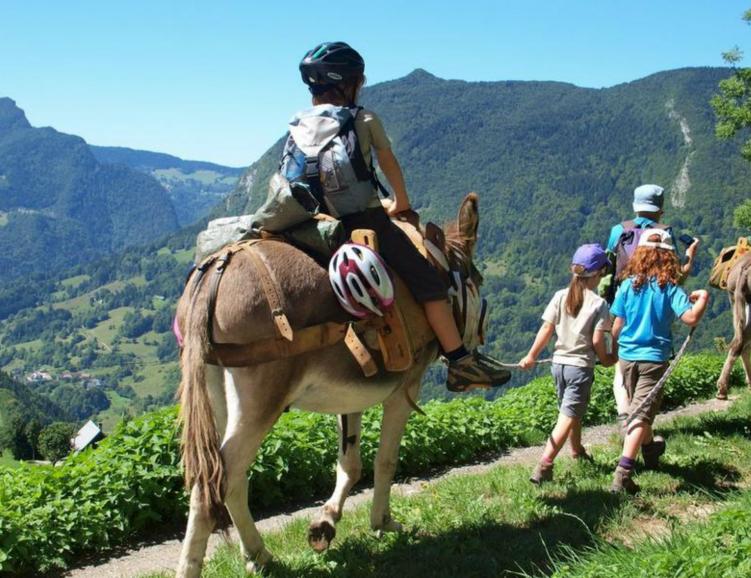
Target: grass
{"x":498,"y":524}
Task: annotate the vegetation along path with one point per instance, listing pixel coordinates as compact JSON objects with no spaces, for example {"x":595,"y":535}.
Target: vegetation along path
{"x":163,"y":557}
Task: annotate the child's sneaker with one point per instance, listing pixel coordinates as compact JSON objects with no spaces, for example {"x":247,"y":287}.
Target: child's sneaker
{"x":652,"y":451}
{"x":541,"y":473}
{"x":622,"y":482}
{"x":475,"y":369}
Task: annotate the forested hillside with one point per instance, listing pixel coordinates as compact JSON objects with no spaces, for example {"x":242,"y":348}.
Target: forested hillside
{"x":554,"y":165}
{"x":194,"y":187}
{"x":60,"y":207}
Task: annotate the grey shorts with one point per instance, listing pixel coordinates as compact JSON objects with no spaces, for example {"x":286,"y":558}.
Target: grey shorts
{"x":639,"y":377}
{"x":573,"y":385}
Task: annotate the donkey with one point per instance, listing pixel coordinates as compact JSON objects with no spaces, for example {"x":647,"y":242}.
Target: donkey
{"x":227,"y":412}
{"x":739,"y":292}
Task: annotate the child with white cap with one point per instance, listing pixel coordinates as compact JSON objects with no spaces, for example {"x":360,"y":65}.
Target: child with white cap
{"x":579,"y":317}
{"x":645,"y":306}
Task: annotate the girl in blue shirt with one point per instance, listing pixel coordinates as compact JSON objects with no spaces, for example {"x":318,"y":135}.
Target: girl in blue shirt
{"x":645,"y":306}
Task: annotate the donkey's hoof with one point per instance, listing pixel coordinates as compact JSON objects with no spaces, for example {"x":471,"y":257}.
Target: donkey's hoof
{"x":261,"y":560}
{"x":722,"y":395}
{"x":320,"y":535}
{"x":388,"y":526}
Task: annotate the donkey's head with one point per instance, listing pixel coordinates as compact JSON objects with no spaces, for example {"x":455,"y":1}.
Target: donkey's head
{"x":469,"y":308}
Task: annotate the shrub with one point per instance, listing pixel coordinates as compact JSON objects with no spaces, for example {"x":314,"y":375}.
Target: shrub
{"x":133,"y":482}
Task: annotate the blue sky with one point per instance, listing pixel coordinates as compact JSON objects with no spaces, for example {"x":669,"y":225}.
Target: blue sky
{"x":218,"y":80}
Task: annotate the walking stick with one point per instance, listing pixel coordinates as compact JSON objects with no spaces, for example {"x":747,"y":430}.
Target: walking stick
{"x":652,"y":395}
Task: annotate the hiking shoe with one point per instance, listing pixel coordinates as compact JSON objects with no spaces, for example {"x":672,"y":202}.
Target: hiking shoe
{"x":541,"y":473}
{"x":652,"y":451}
{"x":622,"y":482}
{"x":475,"y":370}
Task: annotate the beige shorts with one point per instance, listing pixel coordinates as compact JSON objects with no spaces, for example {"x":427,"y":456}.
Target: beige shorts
{"x":639,"y":377}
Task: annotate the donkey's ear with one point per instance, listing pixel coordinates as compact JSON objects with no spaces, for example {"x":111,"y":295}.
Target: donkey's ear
{"x":469,"y":219}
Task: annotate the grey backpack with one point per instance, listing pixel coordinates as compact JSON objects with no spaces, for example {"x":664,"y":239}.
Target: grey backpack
{"x":323,"y":162}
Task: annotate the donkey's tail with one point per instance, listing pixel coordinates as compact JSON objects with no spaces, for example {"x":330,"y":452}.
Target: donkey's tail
{"x":740,"y":308}
{"x":201,"y":454}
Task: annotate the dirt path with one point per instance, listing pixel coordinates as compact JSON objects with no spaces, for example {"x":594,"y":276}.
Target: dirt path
{"x":163,"y":556}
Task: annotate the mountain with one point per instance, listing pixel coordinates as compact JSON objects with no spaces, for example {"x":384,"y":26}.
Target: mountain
{"x":59,"y":206}
{"x":554,"y":164}
{"x":194,"y":187}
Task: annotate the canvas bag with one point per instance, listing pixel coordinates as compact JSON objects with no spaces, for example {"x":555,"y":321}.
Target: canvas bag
{"x":322,"y":155}
{"x":729,"y":256}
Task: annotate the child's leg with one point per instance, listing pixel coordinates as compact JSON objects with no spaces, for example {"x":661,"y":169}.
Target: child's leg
{"x":441,"y":321}
{"x":620,"y":393}
{"x":575,"y":439}
{"x":557,"y":438}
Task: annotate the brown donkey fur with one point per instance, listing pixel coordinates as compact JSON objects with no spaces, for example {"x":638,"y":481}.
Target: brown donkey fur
{"x":739,"y":292}
{"x":226,"y":413}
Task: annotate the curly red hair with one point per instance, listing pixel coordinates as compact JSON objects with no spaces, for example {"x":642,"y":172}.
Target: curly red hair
{"x":653,"y":263}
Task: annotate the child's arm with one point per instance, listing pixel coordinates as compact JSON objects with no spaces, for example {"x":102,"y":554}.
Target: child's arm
{"x":700,"y":299}
{"x":600,"y":346}
{"x":541,"y":341}
{"x":393,"y":172}
{"x":616,"y":330}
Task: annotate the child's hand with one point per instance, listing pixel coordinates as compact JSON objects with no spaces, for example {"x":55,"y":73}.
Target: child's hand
{"x":527,"y":362}
{"x":395,"y":208}
{"x":691,"y":249}
{"x":699,"y":295}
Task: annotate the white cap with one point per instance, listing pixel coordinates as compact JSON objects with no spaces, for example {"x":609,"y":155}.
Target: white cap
{"x":665,"y":242}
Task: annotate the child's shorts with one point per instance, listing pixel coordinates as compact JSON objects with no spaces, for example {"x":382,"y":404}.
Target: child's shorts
{"x":573,"y":385}
{"x":639,"y":377}
{"x":423,"y":280}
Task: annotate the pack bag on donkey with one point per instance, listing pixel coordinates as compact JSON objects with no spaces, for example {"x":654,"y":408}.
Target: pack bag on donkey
{"x":729,"y":256}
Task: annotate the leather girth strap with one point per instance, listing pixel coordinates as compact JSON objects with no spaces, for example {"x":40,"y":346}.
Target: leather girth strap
{"x":271,"y":290}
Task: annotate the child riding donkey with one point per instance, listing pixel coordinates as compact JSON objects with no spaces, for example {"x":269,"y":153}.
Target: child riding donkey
{"x":342,"y":183}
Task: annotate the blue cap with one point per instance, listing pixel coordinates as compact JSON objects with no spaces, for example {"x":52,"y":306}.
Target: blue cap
{"x":648,"y":198}
{"x":592,"y":257}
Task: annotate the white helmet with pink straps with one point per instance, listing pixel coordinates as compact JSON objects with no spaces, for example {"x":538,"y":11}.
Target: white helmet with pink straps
{"x":360,"y":280}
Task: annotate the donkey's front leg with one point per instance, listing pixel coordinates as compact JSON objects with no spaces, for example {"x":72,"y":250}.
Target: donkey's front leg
{"x":396,"y":412}
{"x":348,"y":471}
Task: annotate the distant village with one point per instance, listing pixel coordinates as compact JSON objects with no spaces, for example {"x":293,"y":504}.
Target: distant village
{"x":87,"y":380}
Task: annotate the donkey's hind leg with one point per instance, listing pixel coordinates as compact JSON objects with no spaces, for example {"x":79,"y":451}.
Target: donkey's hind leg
{"x":348,"y":471}
{"x":254,"y":405}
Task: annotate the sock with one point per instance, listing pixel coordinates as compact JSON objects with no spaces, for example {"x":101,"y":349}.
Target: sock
{"x":627,"y":463}
{"x":456,"y":354}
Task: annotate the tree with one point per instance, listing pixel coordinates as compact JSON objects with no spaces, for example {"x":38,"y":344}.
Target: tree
{"x":13,"y":436}
{"x":55,"y":440}
{"x":733,"y":105}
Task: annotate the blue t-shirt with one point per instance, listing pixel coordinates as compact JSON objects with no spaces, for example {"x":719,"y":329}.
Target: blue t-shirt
{"x":648,"y":316}
{"x":642,"y":222}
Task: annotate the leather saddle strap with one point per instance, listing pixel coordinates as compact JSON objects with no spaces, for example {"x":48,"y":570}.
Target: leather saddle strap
{"x":216,"y":278}
{"x":360,"y":352}
{"x":307,"y":339}
{"x":271,"y":289}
